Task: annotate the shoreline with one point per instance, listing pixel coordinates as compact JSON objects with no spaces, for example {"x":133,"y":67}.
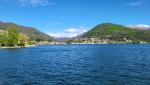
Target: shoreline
{"x":3,"y":47}
{"x":113,"y":43}
{"x":18,"y":46}
{"x":107,"y":43}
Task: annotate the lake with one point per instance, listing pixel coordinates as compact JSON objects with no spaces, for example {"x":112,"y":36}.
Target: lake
{"x":76,"y":65}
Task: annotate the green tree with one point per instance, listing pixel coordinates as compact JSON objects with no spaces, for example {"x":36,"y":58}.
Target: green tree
{"x":23,"y":39}
{"x":4,"y":39}
{"x":13,"y":35}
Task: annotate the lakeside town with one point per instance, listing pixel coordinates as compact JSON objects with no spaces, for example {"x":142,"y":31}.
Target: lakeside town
{"x":14,"y":36}
{"x":102,"y":41}
{"x":13,"y":39}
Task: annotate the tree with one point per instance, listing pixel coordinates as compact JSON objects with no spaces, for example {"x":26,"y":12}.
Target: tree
{"x":38,"y":40}
{"x":4,"y":39}
{"x":13,"y":35}
{"x":23,"y":39}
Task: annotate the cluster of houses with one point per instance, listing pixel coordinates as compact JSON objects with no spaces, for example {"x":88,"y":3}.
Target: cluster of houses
{"x":100,"y":41}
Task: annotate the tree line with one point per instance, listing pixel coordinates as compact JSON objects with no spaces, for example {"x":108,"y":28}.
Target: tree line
{"x":13,"y":38}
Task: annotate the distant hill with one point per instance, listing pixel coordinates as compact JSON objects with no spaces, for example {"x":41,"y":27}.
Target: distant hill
{"x":33,"y":33}
{"x":110,"y":32}
{"x":63,"y":39}
{"x":106,"y":29}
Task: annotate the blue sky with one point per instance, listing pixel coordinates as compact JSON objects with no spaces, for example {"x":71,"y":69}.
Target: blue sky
{"x":68,"y":18}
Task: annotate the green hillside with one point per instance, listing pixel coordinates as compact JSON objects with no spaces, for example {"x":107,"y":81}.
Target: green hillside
{"x":117,"y":33}
{"x":33,"y":33}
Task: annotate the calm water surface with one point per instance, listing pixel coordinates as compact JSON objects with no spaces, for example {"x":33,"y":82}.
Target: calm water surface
{"x":76,"y":65}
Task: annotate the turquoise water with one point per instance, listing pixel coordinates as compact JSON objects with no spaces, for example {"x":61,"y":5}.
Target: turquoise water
{"x":76,"y":65}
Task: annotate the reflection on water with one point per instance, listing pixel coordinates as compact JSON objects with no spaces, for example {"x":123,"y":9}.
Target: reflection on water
{"x":76,"y":65}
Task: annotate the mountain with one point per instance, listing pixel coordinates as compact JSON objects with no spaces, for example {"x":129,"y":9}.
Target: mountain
{"x":33,"y":33}
{"x":114,"y":33}
{"x":63,"y":39}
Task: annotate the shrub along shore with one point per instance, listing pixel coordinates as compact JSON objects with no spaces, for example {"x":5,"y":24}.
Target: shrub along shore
{"x":13,"y":39}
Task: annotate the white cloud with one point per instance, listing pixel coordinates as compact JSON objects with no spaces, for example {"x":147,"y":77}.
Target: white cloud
{"x":74,"y":30}
{"x":133,"y":4}
{"x":62,"y":35}
{"x":33,"y":3}
{"x":140,"y":27}
{"x":71,"y":32}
